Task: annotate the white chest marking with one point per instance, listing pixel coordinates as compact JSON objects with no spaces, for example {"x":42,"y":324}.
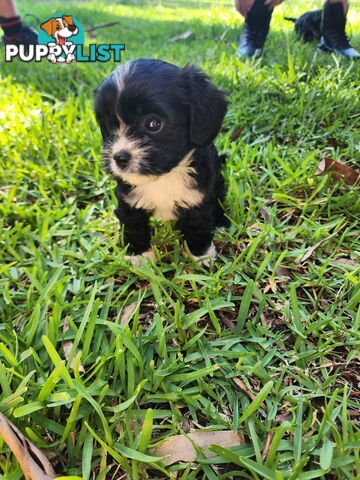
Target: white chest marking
{"x":161,"y":195}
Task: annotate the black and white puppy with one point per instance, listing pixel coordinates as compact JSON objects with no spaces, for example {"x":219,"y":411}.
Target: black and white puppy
{"x":158,"y":124}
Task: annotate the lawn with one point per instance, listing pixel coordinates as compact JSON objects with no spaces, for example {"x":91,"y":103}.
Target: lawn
{"x":101,"y":360}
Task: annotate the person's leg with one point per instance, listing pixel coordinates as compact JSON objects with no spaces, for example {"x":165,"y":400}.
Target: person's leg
{"x":15,"y":32}
{"x":334,"y":29}
{"x":257,"y":15}
{"x":8,"y":8}
{"x":345,"y":4}
{"x":256,"y":28}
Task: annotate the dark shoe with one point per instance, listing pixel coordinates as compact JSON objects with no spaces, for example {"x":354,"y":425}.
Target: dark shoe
{"x":255,"y":31}
{"x":25,"y":36}
{"x":334,"y":36}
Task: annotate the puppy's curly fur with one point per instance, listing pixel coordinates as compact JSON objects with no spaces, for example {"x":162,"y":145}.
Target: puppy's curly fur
{"x":308,"y":25}
{"x":158,"y":123}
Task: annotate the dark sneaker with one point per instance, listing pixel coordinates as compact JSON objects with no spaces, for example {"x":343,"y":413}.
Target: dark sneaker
{"x":25,"y":36}
{"x":334,"y":36}
{"x":255,"y":31}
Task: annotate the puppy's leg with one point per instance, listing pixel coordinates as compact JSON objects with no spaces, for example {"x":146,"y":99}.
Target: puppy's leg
{"x":136,"y":231}
{"x":197,"y":227}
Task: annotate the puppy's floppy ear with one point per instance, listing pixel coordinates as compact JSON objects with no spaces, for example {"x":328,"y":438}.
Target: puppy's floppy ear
{"x":105,"y":108}
{"x":49,"y":26}
{"x":68,"y":19}
{"x":207,"y":105}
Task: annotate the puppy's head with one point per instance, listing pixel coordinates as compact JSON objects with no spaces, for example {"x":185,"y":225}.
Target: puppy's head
{"x":60,"y":28}
{"x":152,"y":114}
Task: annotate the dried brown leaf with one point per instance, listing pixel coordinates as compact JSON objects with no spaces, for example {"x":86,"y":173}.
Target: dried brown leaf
{"x":182,"y":36}
{"x":283,"y":272}
{"x":332,"y":142}
{"x":268,"y":441}
{"x":226,"y":321}
{"x":246,"y":390}
{"x":270,"y":286}
{"x":128,"y":310}
{"x":264,"y":320}
{"x":339,"y":170}
{"x":283,"y":417}
{"x":310,"y":252}
{"x":345,"y":261}
{"x":320,"y":169}
{"x":67,"y":347}
{"x":314,"y":247}
{"x":187,"y":425}
{"x":236,"y":134}
{"x":32,"y":461}
{"x":180,"y":448}
{"x":354,"y":413}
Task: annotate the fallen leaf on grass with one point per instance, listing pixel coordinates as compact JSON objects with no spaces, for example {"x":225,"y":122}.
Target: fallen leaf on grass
{"x":227,"y":321}
{"x":180,"y":448}
{"x":339,"y":170}
{"x":314,"y":247}
{"x":345,"y":261}
{"x":246,"y":390}
{"x":272,"y":318}
{"x":354,"y":413}
{"x":268,"y":441}
{"x":310,"y":252}
{"x":332,"y":142}
{"x":283,"y":417}
{"x":236,"y":134}
{"x":270,"y":286}
{"x":128,"y":310}
{"x":32,"y":461}
{"x":283,"y":272}
{"x":67,"y":347}
{"x":182,"y":36}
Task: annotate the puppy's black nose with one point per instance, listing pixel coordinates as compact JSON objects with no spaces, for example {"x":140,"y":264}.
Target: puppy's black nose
{"x":122,"y":158}
{"x":72,"y":28}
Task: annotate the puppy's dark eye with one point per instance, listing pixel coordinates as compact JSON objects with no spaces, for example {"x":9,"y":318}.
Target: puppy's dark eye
{"x":153,"y":124}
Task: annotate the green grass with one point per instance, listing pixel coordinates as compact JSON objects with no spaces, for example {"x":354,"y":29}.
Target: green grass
{"x":260,"y":314}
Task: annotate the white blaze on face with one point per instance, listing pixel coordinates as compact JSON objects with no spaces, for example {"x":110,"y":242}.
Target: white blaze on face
{"x":120,"y":75}
{"x":124,"y":141}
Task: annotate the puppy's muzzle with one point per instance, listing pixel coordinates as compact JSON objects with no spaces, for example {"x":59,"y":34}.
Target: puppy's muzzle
{"x":122,"y":158}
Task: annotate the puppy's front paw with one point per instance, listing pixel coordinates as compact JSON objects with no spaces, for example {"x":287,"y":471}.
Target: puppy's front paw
{"x":139,"y":259}
{"x":206,"y":257}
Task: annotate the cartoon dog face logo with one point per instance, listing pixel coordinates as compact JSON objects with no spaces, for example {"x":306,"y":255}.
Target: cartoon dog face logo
{"x":61,"y":28}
